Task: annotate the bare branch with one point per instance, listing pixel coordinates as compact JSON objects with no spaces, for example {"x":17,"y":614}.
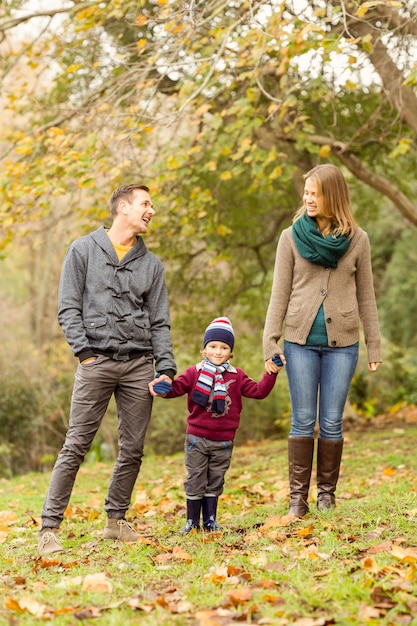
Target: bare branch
{"x":407,"y":209}
{"x":8,"y":24}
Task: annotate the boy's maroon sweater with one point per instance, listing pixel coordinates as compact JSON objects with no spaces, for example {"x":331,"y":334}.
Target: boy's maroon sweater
{"x":219,"y":427}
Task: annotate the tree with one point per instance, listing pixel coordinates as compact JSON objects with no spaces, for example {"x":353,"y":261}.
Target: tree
{"x":225,"y":105}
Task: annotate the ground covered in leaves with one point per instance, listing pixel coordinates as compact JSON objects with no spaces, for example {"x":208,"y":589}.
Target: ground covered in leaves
{"x":354,"y":565}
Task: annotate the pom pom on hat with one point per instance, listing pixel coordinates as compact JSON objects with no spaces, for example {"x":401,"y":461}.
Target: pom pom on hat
{"x":220,"y":329}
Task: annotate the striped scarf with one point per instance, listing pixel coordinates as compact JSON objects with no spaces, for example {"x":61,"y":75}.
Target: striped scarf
{"x":211,"y":378}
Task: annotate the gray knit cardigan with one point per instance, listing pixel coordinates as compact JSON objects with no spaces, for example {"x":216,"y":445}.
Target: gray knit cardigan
{"x":118,"y":308}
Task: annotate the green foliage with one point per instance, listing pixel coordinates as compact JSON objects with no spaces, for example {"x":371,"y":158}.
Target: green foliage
{"x":233,"y":83}
{"x":19,"y":406}
{"x":34,"y":407}
{"x":221,"y":109}
{"x":394,"y":384}
{"x":398,"y":292}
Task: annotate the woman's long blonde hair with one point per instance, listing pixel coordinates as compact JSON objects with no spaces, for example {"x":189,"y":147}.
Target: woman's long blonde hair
{"x":334,"y":194}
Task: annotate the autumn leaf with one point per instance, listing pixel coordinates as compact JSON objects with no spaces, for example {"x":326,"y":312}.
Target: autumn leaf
{"x":179,"y":553}
{"x":146,"y":541}
{"x":265,"y":583}
{"x":381,"y":599}
{"x":238,"y":596}
{"x":221,"y":575}
{"x":88,"y":613}
{"x":68,"y":582}
{"x":141,"y":20}
{"x":28,"y":604}
{"x":369,"y":564}
{"x":368,"y":613}
{"x":304,"y":532}
{"x":274,"y":600}
{"x":97,"y":582}
{"x":325,"y":151}
{"x":408,"y":555}
{"x":7,"y":518}
{"x":385,"y":546}
{"x":278,"y":521}
{"x":216,"y":617}
{"x":312,"y":552}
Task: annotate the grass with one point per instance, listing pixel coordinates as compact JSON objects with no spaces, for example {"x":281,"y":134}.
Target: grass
{"x":353,"y":565}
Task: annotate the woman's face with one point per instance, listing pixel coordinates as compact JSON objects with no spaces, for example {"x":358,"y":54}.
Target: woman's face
{"x":313,"y":202}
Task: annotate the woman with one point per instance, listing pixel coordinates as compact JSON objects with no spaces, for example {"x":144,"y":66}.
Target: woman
{"x":322,"y":289}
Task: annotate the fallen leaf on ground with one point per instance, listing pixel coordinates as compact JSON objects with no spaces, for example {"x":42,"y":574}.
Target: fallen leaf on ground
{"x":179,"y":553}
{"x":97,"y":582}
{"x":409,"y":555}
{"x":216,"y":617}
{"x":369,"y":564}
{"x":27,"y":604}
{"x":7,"y":518}
{"x":277,"y":521}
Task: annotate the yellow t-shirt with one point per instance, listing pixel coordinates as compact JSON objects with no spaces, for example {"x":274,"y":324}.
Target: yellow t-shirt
{"x":120,"y":250}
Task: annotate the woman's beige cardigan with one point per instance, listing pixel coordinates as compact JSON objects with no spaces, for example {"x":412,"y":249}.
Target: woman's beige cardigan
{"x":346,"y":293}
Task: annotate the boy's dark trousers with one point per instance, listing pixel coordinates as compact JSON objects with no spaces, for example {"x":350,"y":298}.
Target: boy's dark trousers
{"x":206,"y":461}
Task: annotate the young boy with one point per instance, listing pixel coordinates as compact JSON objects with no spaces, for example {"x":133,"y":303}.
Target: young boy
{"x":215,"y":389}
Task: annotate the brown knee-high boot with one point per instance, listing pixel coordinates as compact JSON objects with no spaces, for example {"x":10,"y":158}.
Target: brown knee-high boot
{"x":300,"y":460}
{"x":329,"y":455}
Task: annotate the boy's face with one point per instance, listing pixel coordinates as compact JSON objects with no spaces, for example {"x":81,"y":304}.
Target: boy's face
{"x":217,"y":352}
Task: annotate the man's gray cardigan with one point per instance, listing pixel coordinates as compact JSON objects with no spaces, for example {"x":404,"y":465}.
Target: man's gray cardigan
{"x":112,"y":307}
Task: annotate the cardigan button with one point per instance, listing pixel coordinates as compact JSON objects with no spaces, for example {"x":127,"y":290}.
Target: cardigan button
{"x":328,"y":320}
{"x":334,"y":343}
{"x":323,"y":292}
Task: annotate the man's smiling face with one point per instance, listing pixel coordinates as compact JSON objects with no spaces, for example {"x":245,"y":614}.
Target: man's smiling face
{"x":140,"y":211}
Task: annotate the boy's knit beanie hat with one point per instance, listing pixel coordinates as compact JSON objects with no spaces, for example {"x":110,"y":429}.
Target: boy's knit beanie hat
{"x":220,"y":329}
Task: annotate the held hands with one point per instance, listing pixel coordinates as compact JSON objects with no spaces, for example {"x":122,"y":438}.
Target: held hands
{"x":272,"y":368}
{"x":160,"y":386}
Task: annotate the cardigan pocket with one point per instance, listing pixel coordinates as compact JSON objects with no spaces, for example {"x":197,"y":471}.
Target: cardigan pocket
{"x":95,"y":327}
{"x":294,"y":316}
{"x":142,"y":328}
{"x":350,"y":319}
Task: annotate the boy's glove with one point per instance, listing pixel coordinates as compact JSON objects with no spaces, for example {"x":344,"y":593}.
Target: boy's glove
{"x":277,"y":360}
{"x":162,"y":387}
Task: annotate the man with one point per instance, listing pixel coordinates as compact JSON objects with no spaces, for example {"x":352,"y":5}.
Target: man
{"x":113,"y":309}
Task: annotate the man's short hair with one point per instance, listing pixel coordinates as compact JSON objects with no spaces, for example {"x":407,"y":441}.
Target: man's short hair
{"x":124,"y":192}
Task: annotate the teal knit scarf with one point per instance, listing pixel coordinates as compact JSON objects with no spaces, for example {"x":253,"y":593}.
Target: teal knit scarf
{"x":314,"y":247}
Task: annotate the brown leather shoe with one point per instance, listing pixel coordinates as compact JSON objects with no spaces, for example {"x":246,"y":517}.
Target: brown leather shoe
{"x":48,"y":541}
{"x":119,"y":529}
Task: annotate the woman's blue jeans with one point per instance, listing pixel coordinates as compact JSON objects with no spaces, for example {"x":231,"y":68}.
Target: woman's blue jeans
{"x":319,"y":378}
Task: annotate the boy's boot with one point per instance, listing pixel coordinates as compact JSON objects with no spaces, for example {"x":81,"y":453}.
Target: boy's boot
{"x":329,"y":456}
{"x":193,"y":516}
{"x":300,"y":460}
{"x":209,"y":514}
